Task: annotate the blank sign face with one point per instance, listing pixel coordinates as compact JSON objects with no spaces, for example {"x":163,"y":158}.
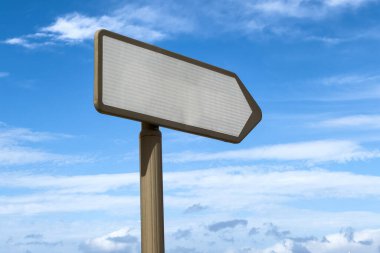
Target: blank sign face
{"x":145,"y":83}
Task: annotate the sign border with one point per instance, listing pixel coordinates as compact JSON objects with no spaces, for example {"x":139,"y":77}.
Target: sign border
{"x":253,"y":120}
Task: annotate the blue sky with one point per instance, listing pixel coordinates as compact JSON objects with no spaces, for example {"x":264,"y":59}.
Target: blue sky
{"x":304,"y":181}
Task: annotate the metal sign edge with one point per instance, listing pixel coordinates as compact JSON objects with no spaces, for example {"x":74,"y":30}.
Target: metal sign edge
{"x":253,"y":120}
{"x":256,"y":115}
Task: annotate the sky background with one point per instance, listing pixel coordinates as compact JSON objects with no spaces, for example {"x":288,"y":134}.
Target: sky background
{"x":306,"y":180}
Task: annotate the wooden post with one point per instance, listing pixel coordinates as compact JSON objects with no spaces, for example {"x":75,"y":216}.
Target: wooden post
{"x":151,"y":190}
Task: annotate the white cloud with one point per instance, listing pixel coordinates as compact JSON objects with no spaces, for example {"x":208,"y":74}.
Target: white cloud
{"x":115,"y":242}
{"x":313,"y":151}
{"x":23,"y":156}
{"x":367,"y":241}
{"x":77,"y":27}
{"x":18,"y":41}
{"x":238,"y":198}
{"x":208,"y":187}
{"x":68,"y":203}
{"x":183,"y":189}
{"x":10,"y":135}
{"x":237,"y":240}
{"x":99,"y":183}
{"x":25,"y":42}
{"x":354,"y":121}
{"x":14,"y":148}
{"x":148,"y":23}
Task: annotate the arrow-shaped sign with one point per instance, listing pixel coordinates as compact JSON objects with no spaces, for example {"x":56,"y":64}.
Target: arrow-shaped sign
{"x":142,"y":82}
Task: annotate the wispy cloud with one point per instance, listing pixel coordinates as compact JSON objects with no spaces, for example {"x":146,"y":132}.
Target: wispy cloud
{"x":148,"y":23}
{"x":208,"y":187}
{"x":296,"y":9}
{"x":326,"y":39}
{"x":347,"y":87}
{"x":99,"y":183}
{"x":15,"y":148}
{"x":23,"y":156}
{"x":28,"y":41}
{"x":370,"y":93}
{"x":351,"y":79}
{"x":346,"y":3}
{"x":312,"y":151}
{"x":282,"y":18}
{"x":351,"y":87}
{"x":67,"y":203}
{"x":4,"y":74}
{"x":352,"y":121}
{"x":9,"y":135}
{"x":302,"y":9}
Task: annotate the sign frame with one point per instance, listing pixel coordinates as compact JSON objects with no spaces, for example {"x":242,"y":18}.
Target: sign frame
{"x":252,"y":121}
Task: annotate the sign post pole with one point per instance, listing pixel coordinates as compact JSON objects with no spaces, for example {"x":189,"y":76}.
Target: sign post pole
{"x":151,"y":190}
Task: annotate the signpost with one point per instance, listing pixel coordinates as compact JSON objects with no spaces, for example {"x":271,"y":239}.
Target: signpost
{"x":142,"y":82}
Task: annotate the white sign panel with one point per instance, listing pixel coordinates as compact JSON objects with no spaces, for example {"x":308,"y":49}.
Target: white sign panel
{"x":142,"y":82}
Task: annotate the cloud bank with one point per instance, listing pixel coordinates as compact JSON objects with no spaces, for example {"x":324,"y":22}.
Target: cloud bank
{"x":311,"y":151}
{"x":202,"y":187}
{"x":268,"y":239}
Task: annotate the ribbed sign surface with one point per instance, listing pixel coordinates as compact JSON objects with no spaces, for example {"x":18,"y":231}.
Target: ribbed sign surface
{"x":142,"y":82}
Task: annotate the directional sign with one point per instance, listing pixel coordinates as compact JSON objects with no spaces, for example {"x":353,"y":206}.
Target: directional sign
{"x":146,"y":83}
